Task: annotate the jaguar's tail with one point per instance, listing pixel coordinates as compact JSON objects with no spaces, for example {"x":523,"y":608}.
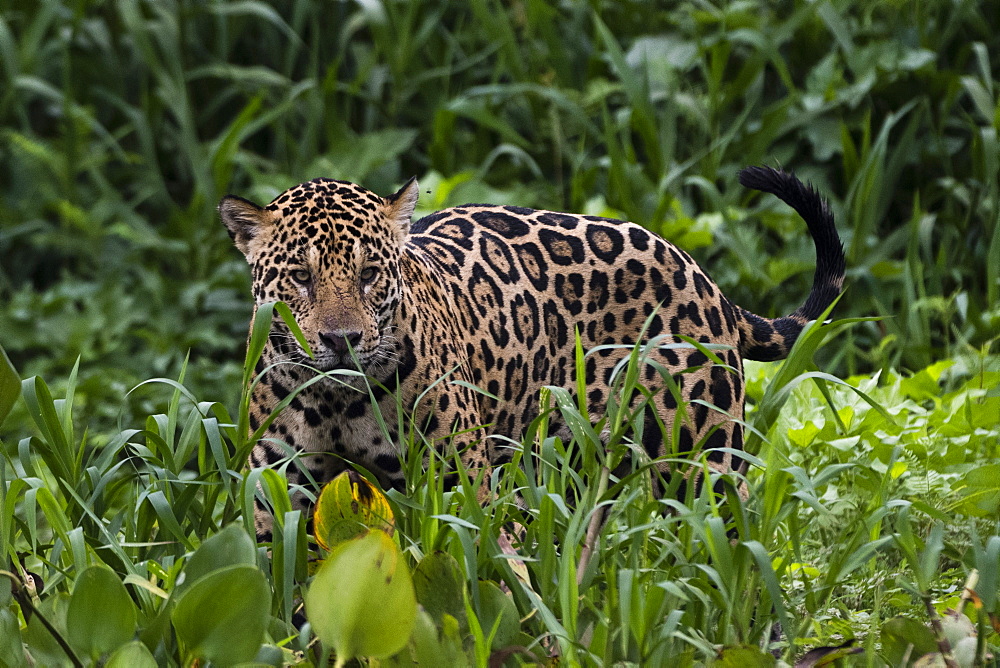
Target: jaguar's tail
{"x":765,"y":339}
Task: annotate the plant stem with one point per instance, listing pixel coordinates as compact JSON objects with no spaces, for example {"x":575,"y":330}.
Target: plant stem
{"x":25,"y":602}
{"x":942,"y":642}
{"x":594,"y":528}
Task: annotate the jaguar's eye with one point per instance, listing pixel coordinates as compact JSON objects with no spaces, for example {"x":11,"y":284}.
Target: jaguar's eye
{"x":301,"y":276}
{"x":368,"y":274}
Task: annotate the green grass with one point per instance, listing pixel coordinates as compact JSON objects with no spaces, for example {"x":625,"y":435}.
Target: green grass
{"x":870,"y":499}
{"x":121,"y":125}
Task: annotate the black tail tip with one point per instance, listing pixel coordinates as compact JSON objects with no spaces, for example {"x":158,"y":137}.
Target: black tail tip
{"x":800,"y":196}
{"x":765,"y":179}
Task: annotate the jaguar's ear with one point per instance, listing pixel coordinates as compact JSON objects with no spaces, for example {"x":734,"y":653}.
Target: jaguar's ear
{"x":243,"y":219}
{"x":401,"y":205}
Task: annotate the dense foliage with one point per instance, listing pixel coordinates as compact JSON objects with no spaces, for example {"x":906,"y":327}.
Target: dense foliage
{"x":122,"y":123}
{"x":872,"y":505}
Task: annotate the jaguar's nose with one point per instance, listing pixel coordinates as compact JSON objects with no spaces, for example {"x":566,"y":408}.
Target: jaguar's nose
{"x":337,"y":340}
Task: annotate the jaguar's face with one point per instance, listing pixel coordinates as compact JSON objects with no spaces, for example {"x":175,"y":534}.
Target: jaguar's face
{"x":330,"y":250}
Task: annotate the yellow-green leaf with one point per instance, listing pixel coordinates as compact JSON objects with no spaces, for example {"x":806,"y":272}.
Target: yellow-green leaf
{"x":361,"y":601}
{"x":348,"y":506}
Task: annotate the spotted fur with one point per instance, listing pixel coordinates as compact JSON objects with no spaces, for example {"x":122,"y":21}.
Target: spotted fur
{"x":490,"y":295}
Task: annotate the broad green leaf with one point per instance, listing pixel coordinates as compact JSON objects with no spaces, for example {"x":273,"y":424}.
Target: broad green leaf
{"x":132,"y":655}
{"x":11,"y":650}
{"x":44,"y":648}
{"x":10,"y":385}
{"x":497,"y":610}
{"x":347,"y":506}
{"x":437,"y":649}
{"x":361,"y":601}
{"x":981,"y":489}
{"x":742,"y":656}
{"x":923,"y":385}
{"x":440,"y":586}
{"x":222,"y":616}
{"x":101,"y":615}
{"x":230,"y":547}
{"x":899,"y":633}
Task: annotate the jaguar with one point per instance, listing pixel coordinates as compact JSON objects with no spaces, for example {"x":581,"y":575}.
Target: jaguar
{"x":464,"y":315}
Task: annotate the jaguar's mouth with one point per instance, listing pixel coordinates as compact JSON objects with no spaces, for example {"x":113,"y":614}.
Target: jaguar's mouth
{"x":334,"y":362}
{"x":289,"y":349}
{"x":378,"y":362}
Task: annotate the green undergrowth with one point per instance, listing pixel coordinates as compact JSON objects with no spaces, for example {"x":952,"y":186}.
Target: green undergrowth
{"x":871,"y":503}
{"x":123,"y":123}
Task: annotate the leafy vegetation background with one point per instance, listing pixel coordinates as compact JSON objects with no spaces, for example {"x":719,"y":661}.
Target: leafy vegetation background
{"x":123,"y":123}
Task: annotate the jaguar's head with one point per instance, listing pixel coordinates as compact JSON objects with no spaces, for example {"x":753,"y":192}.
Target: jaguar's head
{"x":331,"y":251}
